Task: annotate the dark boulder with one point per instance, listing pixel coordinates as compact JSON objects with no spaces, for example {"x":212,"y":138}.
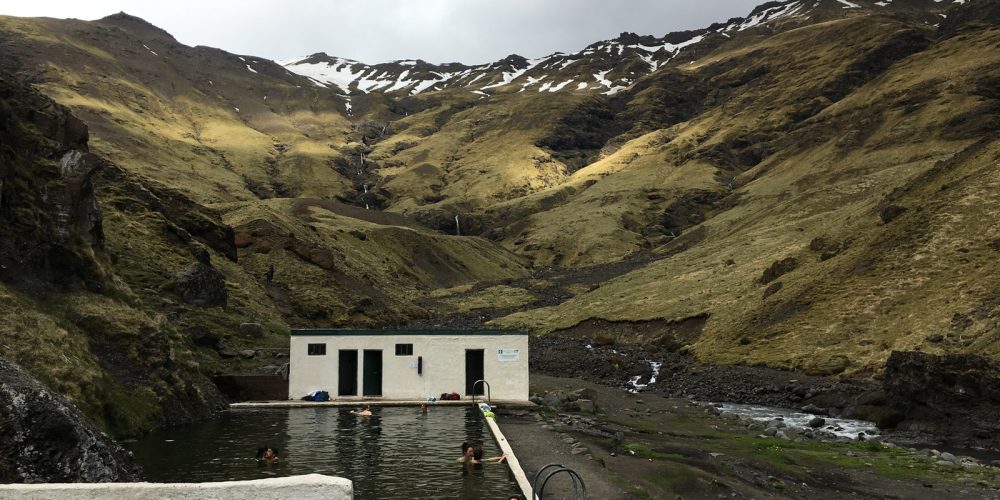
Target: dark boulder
{"x":204,"y":338}
{"x":201,"y":285}
{"x":44,"y":439}
{"x":955,"y":394}
{"x":251,"y":329}
{"x":778,"y":269}
{"x":890,"y":213}
{"x":772,"y":289}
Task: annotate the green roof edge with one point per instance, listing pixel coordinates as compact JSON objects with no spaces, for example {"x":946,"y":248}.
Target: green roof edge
{"x":301,"y":332}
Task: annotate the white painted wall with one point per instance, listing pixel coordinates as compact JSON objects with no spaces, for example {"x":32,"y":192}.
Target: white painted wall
{"x":308,"y":487}
{"x":443,"y":364}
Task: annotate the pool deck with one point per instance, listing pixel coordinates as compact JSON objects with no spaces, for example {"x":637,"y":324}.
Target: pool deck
{"x":292,"y":403}
{"x":512,"y":462}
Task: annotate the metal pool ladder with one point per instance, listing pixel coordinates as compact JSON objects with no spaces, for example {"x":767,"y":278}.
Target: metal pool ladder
{"x":489,"y":397}
{"x":578,"y":492}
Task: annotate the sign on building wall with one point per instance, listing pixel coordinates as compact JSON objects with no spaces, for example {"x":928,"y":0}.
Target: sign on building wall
{"x":508,"y":355}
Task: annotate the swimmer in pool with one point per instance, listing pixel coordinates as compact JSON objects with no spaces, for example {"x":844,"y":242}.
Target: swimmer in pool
{"x":474,"y":455}
{"x":364,"y":412}
{"x":467,"y":452}
{"x":477,"y":456}
{"x":267,"y":455}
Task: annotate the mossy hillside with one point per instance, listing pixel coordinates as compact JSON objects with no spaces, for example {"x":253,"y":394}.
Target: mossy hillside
{"x":120,"y":366}
{"x":890,"y":287}
{"x":494,"y":297}
{"x":833,"y":144}
{"x":622,"y":193}
{"x":188,"y":116}
{"x":469,"y":159}
{"x":316,"y":252}
{"x":150,"y":250}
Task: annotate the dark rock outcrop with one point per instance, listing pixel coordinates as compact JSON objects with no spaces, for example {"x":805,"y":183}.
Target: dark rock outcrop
{"x":43,"y":438}
{"x":50,"y":222}
{"x":954,"y":395}
{"x":201,"y":285}
{"x":778,"y":269}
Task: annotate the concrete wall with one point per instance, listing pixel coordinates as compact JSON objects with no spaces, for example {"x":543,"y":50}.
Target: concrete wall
{"x":312,"y":486}
{"x":443,"y":364}
{"x":252,"y":387}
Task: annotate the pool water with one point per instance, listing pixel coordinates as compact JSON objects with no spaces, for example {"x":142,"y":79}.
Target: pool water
{"x":395,"y":453}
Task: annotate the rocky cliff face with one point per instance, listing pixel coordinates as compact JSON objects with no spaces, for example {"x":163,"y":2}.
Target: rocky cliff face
{"x":952,"y":395}
{"x":65,"y":307}
{"x":50,"y":221}
{"x":47,"y":440}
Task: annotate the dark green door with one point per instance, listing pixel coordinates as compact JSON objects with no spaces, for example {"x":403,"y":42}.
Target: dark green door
{"x":474,"y":371}
{"x":373,"y":373}
{"x":347,"y":373}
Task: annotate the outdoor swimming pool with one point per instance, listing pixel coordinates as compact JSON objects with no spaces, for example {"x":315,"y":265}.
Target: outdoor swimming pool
{"x":396,"y":453}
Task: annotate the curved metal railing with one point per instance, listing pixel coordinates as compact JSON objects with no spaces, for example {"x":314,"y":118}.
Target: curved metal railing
{"x":489,"y":397}
{"x":579,"y":492}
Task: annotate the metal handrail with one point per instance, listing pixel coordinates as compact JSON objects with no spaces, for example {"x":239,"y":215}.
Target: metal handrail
{"x":574,"y":476}
{"x":534,"y":484}
{"x":489,"y":396}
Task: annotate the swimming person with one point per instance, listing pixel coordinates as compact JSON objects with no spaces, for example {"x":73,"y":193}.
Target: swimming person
{"x":477,"y":456}
{"x":467,"y":452}
{"x":267,"y":455}
{"x":364,"y":412}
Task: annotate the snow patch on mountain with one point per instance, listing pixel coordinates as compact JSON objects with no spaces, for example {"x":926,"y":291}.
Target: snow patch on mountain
{"x":553,"y":73}
{"x":509,"y":77}
{"x":767,"y":15}
{"x":339,"y":72}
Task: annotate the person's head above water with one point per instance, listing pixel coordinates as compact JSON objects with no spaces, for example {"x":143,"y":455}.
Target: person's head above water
{"x":267,"y":453}
{"x":477,"y":453}
{"x":467,"y":451}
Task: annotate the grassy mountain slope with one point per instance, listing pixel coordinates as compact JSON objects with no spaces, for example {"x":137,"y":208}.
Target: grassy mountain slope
{"x":865,"y":195}
{"x":812,"y":192}
{"x":188,"y":117}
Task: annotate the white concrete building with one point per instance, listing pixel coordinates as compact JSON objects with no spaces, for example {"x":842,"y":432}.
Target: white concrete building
{"x":408,"y":364}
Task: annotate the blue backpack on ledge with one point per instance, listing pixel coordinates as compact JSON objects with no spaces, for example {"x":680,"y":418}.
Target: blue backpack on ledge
{"x":318,"y":396}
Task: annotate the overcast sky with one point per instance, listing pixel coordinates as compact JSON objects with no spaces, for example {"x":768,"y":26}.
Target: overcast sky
{"x":467,"y":31}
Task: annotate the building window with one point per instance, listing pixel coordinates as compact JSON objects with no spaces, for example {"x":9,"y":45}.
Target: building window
{"x":404,"y":349}
{"x":317,"y":349}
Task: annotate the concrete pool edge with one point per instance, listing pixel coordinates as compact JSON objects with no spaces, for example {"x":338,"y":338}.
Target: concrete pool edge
{"x":305,"y":487}
{"x":340,"y":403}
{"x":512,"y":462}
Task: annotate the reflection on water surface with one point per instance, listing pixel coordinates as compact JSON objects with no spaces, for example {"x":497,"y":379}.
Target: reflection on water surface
{"x":396,"y":453}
